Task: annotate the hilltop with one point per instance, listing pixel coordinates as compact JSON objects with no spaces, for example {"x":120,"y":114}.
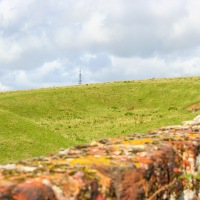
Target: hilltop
{"x":39,"y":122}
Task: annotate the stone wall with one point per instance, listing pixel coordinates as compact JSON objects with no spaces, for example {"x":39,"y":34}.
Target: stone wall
{"x":162,"y":164}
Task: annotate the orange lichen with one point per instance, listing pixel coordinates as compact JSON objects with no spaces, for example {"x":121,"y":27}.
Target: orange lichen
{"x":193,"y":135}
{"x":104,"y":181}
{"x":133,"y":167}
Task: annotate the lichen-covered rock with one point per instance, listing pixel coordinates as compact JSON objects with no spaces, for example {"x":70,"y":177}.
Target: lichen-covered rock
{"x":162,"y":164}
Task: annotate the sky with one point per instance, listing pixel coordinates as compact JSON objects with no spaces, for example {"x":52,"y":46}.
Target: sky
{"x":45,"y":43}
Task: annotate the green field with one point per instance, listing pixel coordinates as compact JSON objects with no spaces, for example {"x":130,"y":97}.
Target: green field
{"x":40,"y":122}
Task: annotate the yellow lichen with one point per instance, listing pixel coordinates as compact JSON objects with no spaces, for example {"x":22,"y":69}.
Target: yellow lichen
{"x":88,"y":160}
{"x":116,"y":147}
{"x":139,"y":141}
{"x":137,"y":164}
{"x":177,"y":137}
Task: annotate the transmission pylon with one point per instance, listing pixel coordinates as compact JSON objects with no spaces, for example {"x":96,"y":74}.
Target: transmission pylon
{"x":80,"y":77}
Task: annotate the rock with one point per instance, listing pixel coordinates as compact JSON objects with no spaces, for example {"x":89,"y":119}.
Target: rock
{"x":161,"y":164}
{"x":197,"y":118}
{"x":33,"y":191}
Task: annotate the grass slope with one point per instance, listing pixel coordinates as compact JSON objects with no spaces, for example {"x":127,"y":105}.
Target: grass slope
{"x":38,"y":122}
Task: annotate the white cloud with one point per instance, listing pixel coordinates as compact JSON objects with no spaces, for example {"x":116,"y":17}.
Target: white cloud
{"x":49,"y":67}
{"x":4,"y":88}
{"x":94,"y":30}
{"x":11,"y":11}
{"x":44,"y":43}
{"x":10,"y":50}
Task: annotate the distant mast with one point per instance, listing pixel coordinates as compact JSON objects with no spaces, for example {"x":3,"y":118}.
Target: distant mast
{"x":80,"y":77}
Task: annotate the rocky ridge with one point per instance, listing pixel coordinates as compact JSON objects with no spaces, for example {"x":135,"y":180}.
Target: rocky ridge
{"x":161,"y":164}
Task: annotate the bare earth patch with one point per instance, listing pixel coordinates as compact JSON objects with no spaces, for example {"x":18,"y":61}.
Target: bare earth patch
{"x":195,"y":107}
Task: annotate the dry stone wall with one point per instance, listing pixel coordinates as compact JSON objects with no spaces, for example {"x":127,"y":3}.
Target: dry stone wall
{"x":161,"y":164}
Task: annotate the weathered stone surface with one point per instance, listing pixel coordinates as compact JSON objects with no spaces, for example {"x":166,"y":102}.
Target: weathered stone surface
{"x":162,"y":164}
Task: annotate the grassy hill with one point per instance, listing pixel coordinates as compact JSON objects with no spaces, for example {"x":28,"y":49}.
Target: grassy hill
{"x":39,"y":122}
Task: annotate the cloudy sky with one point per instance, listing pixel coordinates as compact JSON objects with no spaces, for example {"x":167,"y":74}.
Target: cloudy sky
{"x":44,"y":43}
